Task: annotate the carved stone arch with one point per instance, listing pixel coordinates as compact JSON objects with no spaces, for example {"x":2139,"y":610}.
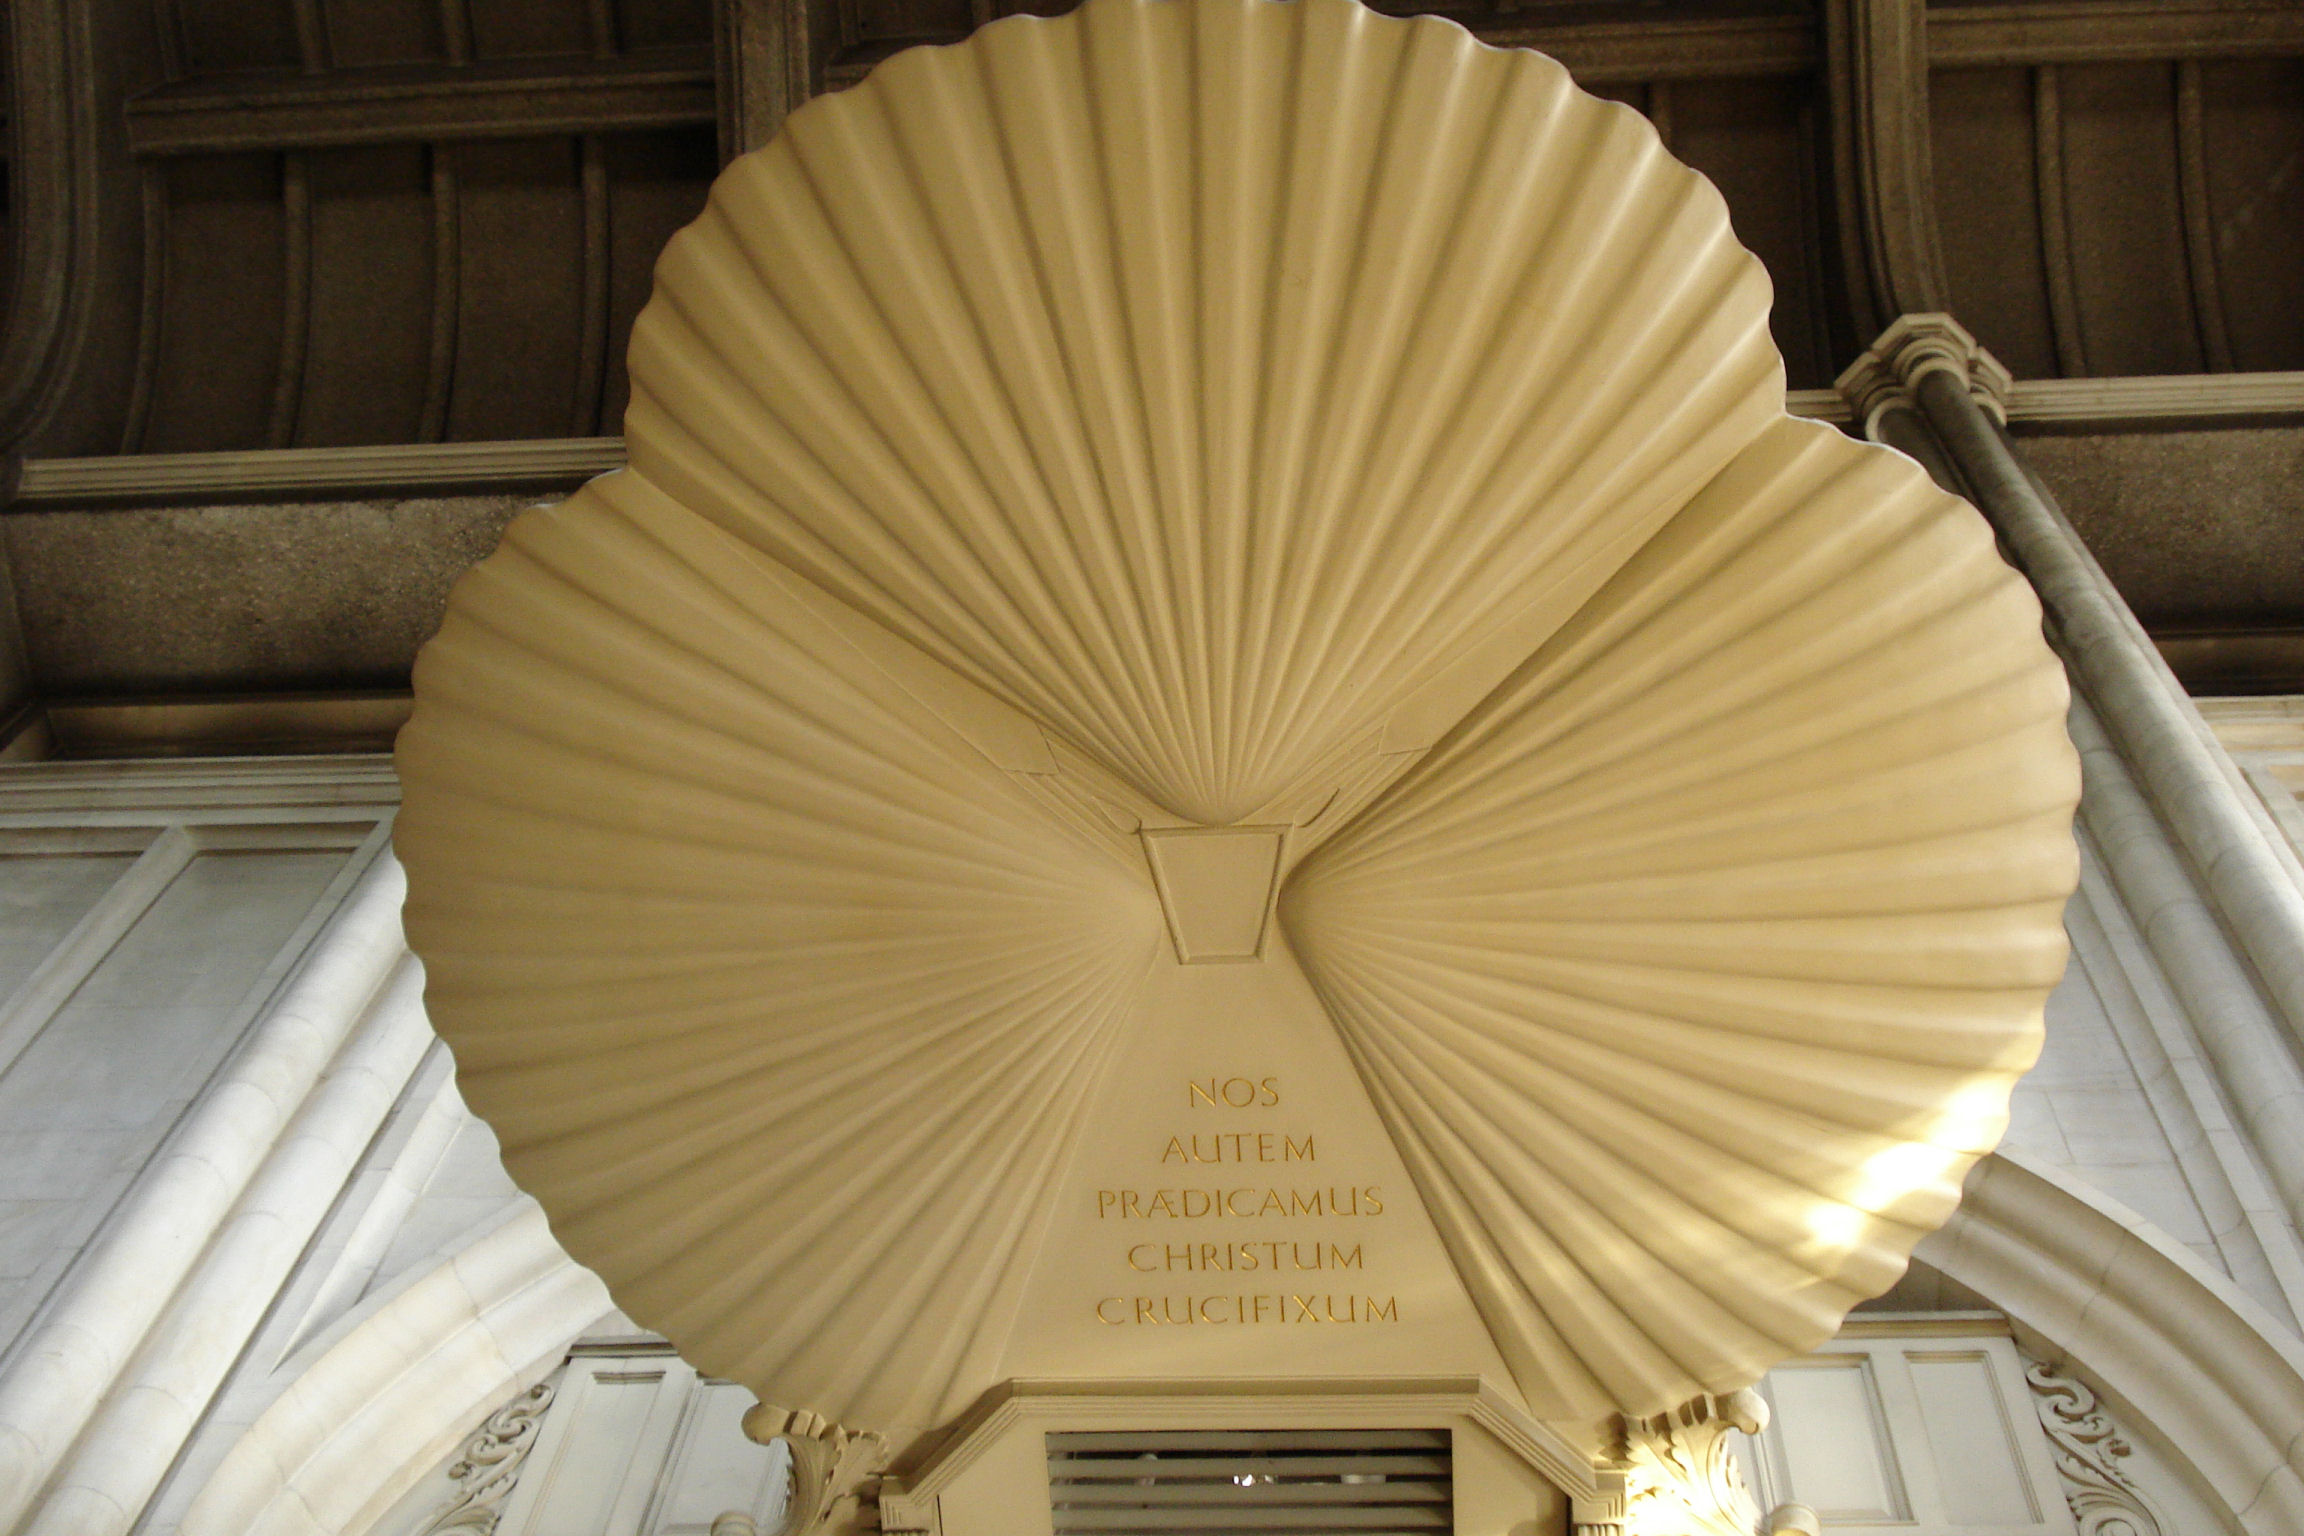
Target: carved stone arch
{"x":2167,"y":1342}
{"x":388,"y":1399}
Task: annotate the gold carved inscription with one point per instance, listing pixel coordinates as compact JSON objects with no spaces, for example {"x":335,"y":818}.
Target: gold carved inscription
{"x":1239,"y":1147}
{"x":1232,"y":1093}
{"x":1145,"y":1258}
{"x":1263,"y":1256}
{"x":1179,"y":1311}
{"x":1246,"y":1201}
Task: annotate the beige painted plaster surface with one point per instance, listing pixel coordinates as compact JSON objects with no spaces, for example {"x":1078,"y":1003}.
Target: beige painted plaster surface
{"x":1217,"y":413}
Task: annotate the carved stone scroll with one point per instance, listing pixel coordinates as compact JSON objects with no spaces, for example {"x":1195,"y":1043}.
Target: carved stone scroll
{"x":490,"y":1466}
{"x":2088,"y":1451}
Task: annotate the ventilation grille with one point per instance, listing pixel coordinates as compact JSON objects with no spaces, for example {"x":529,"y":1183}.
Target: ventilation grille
{"x":1349,"y":1482}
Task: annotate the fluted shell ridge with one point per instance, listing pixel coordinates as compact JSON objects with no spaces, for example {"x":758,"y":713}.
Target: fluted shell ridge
{"x":1204,"y":412}
{"x":1196,"y":376}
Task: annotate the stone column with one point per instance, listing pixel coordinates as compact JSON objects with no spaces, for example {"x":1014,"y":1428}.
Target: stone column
{"x":2192,"y":858}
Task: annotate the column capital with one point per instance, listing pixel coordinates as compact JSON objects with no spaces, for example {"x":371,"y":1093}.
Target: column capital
{"x":1891,"y":368}
{"x":1681,"y":1478}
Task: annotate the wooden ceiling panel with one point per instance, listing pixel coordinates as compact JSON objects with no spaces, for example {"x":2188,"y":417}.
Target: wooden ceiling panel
{"x":510,"y":29}
{"x":371,"y":296}
{"x":2253,"y":205}
{"x":219,"y":333}
{"x":656,"y":183}
{"x":1988,"y":213}
{"x":662,"y":23}
{"x":1757,"y":141}
{"x":2124,"y":211}
{"x":873,"y":25}
{"x":520,"y":290}
{"x":368,"y":32}
{"x":237,"y":34}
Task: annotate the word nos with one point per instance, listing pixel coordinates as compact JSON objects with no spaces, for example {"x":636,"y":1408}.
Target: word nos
{"x":1247,"y":1202}
{"x":1238,"y":1147}
{"x":1144,"y":1258}
{"x":1177,"y":1311}
{"x":1232,"y":1093}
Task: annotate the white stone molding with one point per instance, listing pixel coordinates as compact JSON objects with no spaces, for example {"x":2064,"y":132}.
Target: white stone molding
{"x":2165,"y":1340}
{"x":132,"y":1440}
{"x":2183,"y":1082}
{"x":1888,"y":373}
{"x":394,"y":1394}
{"x":73,"y":1360}
{"x":76,"y":797}
{"x":2088,"y":1452}
{"x":2238,"y":1029}
{"x":1681,"y":1476}
{"x":2163,"y":400}
{"x":27,"y":1010}
{"x":490,"y":1465}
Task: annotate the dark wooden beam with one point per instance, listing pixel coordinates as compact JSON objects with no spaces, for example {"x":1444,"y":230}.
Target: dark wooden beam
{"x":288,"y":110}
{"x":1682,"y":48}
{"x":1596,"y":52}
{"x":2095,"y":31}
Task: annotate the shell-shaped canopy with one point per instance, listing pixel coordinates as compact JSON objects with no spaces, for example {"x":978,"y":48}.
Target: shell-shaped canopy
{"x":1212,"y":413}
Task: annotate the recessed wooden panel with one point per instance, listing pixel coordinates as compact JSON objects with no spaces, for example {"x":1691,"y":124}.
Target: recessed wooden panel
{"x":656,"y":184}
{"x":519,"y":324}
{"x":365,"y":32}
{"x":504,"y":29}
{"x":1834,"y":1439}
{"x":2125,"y":214}
{"x":662,"y":23}
{"x":238,"y":34}
{"x":219,"y":341}
{"x":1988,"y":213}
{"x":1972,"y":1432}
{"x":886,"y":21}
{"x":2253,"y":133}
{"x":371,"y":296}
{"x":1755,"y":140}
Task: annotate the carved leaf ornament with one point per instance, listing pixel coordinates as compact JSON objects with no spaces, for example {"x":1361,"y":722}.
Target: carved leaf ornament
{"x":1234,"y":481}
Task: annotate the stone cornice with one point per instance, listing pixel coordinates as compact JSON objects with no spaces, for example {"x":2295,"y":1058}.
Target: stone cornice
{"x":316,"y":474}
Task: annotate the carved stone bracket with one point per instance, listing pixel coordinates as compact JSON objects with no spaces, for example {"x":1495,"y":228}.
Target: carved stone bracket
{"x":1681,"y":1479}
{"x":491,"y":1464}
{"x":2088,"y":1451}
{"x":1890,"y":370}
{"x":834,"y":1470}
